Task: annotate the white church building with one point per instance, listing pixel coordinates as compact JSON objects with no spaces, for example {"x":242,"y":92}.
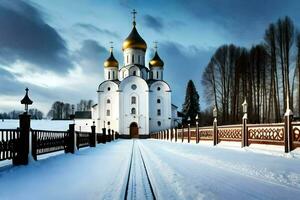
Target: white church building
{"x":134,"y":99}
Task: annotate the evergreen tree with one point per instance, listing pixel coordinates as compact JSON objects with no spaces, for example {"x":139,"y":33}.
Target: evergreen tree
{"x":191,"y":106}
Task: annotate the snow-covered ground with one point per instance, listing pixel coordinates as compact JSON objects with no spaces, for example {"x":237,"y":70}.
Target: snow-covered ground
{"x":176,"y":171}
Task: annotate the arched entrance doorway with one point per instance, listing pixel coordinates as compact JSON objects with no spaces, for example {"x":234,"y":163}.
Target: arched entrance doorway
{"x":134,"y":130}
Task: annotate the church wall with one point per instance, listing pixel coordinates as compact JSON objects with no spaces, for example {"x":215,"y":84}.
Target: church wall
{"x":108,"y":106}
{"x":141,"y":116}
{"x":164,"y":94}
{"x":157,"y":73}
{"x":111,"y":73}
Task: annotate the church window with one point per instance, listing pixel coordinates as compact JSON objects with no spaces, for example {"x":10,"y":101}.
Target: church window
{"x":158,"y":100}
{"x":159,"y":123}
{"x":108,"y":101}
{"x":134,"y":73}
{"x":133,"y":111}
{"x":132,"y":58}
{"x":107,"y":112}
{"x":113,"y":74}
{"x":139,"y":59}
{"x":158,"y":88}
{"x":158,"y":112}
{"x":108,"y":75}
{"x":133,"y":86}
{"x":108,"y":123}
{"x":108,"y":88}
{"x":133,"y":100}
{"x":157,"y":75}
{"x":151,"y":75}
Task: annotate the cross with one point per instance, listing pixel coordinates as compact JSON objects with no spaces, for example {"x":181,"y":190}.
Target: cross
{"x":155,"y":45}
{"x":134,"y":13}
{"x":111,"y":46}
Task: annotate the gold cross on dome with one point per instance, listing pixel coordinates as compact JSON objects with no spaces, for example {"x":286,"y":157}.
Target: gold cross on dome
{"x":134,"y":13}
{"x":111,"y":46}
{"x":155,"y":45}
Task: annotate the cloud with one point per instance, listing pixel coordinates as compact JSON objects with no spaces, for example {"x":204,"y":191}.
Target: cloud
{"x":155,"y":23}
{"x":26,"y":36}
{"x":92,"y":28}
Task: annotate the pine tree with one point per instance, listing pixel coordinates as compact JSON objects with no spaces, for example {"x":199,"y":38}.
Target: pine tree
{"x":191,"y":106}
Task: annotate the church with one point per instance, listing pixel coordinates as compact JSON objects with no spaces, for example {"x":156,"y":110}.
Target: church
{"x":134,"y":100}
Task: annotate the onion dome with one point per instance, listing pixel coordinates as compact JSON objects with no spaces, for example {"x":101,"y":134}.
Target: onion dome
{"x":156,"y":61}
{"x":111,"y":61}
{"x":134,"y":40}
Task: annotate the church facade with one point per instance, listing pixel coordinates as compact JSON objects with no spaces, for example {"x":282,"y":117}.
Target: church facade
{"x":134,"y":100}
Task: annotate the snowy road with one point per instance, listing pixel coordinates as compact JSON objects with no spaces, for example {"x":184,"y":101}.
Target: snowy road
{"x":175,"y":171}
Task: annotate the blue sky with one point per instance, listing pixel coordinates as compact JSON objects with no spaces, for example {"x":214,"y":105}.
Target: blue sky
{"x":57,"y":47}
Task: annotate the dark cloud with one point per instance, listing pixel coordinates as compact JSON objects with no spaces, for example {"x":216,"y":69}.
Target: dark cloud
{"x":92,"y":28}
{"x":25,"y":36}
{"x":182,"y":64}
{"x":155,"y":23}
{"x":90,"y":56}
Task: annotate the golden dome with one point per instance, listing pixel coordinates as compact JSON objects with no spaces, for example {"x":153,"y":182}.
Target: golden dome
{"x":111,"y":61}
{"x":156,"y":61}
{"x":134,"y":41}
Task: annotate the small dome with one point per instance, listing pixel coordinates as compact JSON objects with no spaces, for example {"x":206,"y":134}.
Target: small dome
{"x":134,"y":41}
{"x":156,"y":61}
{"x":111,"y":61}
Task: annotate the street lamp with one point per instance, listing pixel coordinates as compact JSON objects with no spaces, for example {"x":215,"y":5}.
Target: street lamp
{"x":26,"y":100}
{"x":244,"y":122}
{"x":215,"y":128}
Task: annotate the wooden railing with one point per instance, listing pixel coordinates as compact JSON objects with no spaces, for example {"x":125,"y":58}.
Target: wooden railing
{"x":45,"y":141}
{"x":273,"y":134}
{"x":8,"y":143}
{"x":82,"y":139}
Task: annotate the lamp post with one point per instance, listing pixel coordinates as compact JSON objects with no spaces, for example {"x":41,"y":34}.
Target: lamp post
{"x":215,"y":126}
{"x":197,"y":129}
{"x":244,"y":122}
{"x":26,"y":101}
{"x":189,"y":129}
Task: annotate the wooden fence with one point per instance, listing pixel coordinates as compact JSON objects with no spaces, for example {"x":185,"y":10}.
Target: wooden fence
{"x":17,"y":144}
{"x":8,"y":143}
{"x":272,"y":134}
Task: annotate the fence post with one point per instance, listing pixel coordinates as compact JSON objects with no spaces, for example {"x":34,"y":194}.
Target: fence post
{"x":168,"y":134}
{"x":189,"y":133}
{"x":288,"y":140}
{"x":71,"y":144}
{"x":245,"y":131}
{"x":197,"y":132}
{"x":109,"y":135}
{"x":182,"y":133}
{"x":112,"y":135}
{"x":176,"y":134}
{"x":23,"y":144}
{"x":93,"y":136}
{"x":103,"y":135}
{"x":215,"y":127}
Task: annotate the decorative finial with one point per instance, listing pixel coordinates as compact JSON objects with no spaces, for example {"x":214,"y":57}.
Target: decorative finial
{"x":155,"y":45}
{"x":134,"y":13}
{"x":26,"y":100}
{"x":111,"y":46}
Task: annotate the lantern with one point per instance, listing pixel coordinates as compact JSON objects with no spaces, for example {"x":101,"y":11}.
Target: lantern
{"x":26,"y":100}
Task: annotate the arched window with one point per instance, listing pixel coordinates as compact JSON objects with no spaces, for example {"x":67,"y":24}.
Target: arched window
{"x":108,"y":75}
{"x":133,"y":111}
{"x":158,"y":100}
{"x":113,"y":75}
{"x":133,"y":100}
{"x":139,"y":59}
{"x":132,"y":58}
{"x":158,"y":112}
{"x":157,"y":75}
{"x":134,"y":73}
{"x":108,"y":101}
{"x":107,"y":112}
{"x":159,"y":123}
